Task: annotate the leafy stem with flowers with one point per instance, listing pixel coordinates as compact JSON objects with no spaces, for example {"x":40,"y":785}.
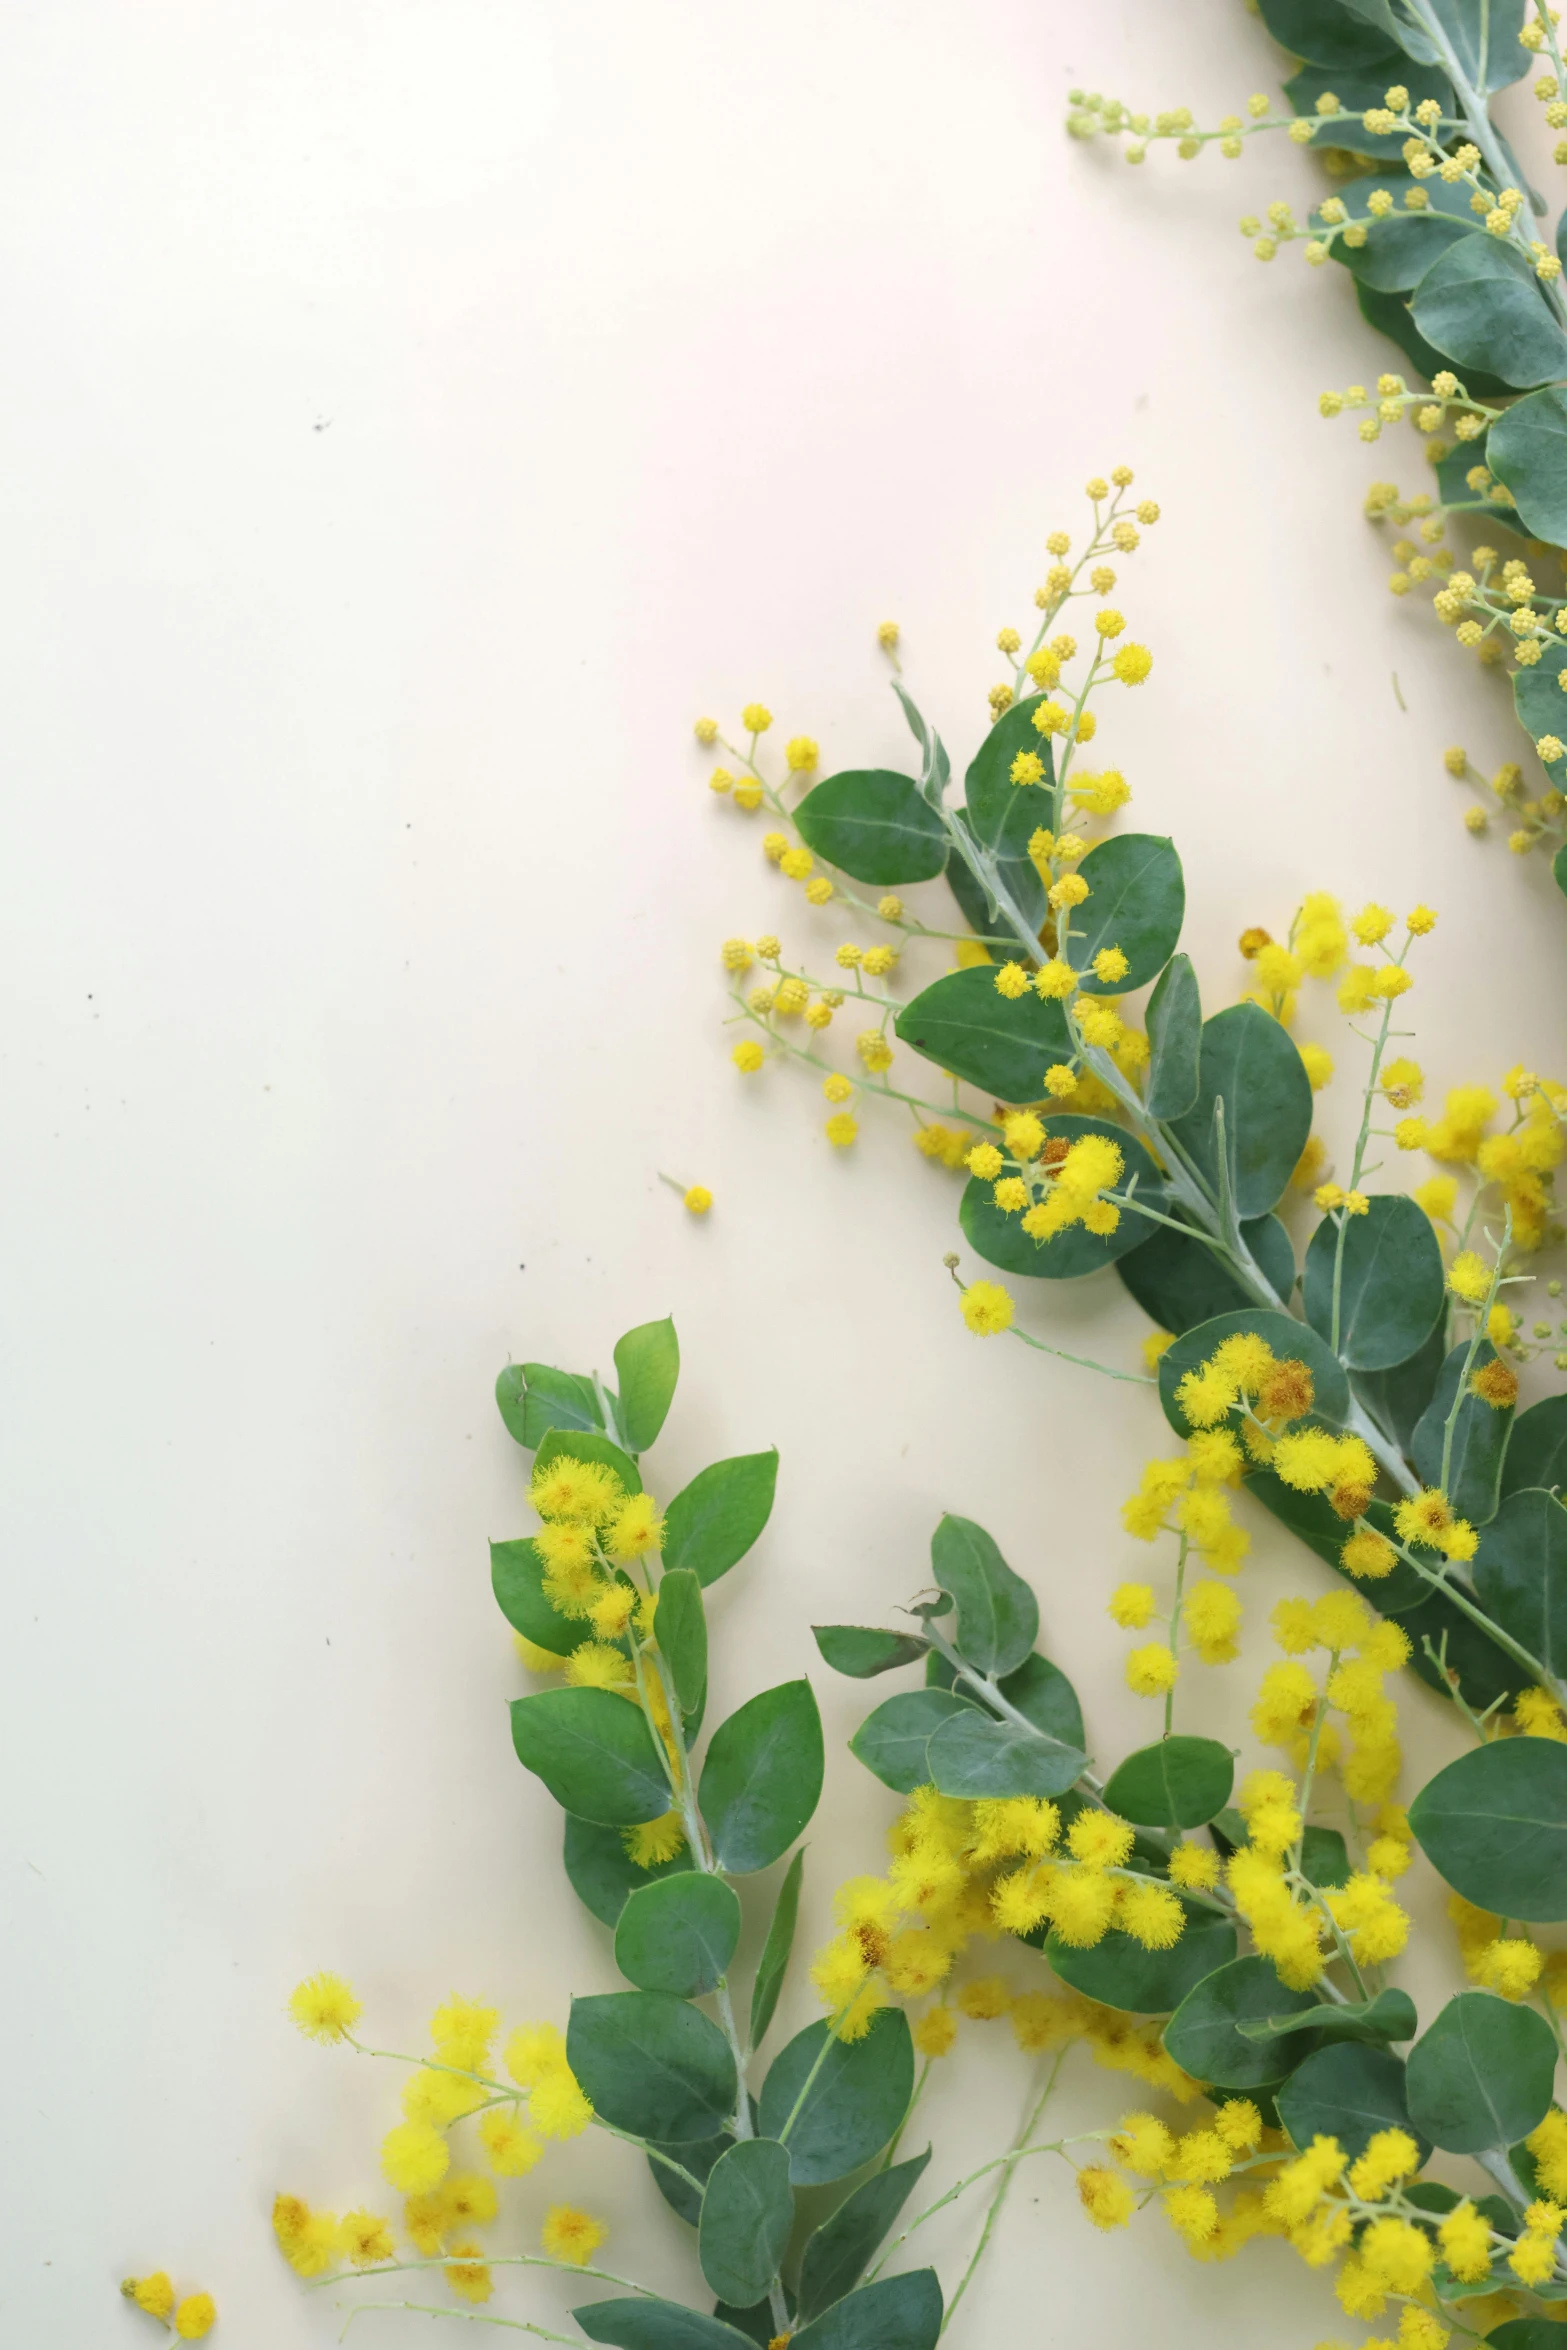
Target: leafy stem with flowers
{"x":1450,"y":254}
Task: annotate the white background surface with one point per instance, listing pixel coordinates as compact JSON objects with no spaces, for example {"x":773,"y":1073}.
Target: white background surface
{"x":416,"y":413}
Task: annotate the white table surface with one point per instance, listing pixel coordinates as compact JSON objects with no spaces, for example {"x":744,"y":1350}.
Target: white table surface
{"x":416,"y":413}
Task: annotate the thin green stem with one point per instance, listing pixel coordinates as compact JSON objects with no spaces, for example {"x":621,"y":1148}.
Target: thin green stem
{"x":1175,"y":1632}
{"x":472,"y":2317}
{"x":997,"y":2200}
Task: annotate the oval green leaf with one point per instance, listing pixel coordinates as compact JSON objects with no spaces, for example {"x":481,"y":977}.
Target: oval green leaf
{"x":1527,"y":451}
{"x":1481,"y":305}
{"x":1493,"y":1824}
{"x":1391,"y":1285}
{"x":1174,"y":1041}
{"x":647,"y":1361}
{"x":861,"y":1651}
{"x":997,"y":1613}
{"x":517,"y":1579}
{"x":747,"y":2216}
{"x":1119,"y":1972}
{"x":1520,"y":1574}
{"x":892,"y":1741}
{"x":973,"y":1755}
{"x":836,"y":2254}
{"x":680,"y":1628}
{"x":1346,"y":2092}
{"x":1042,"y":1692}
{"x":1251,"y":1063}
{"x":1003,"y":815}
{"x":1178,"y":1280}
{"x":1202,"y":2035}
{"x":1323,"y":32}
{"x":1537,"y":1454}
{"x":763,"y":1777}
{"x":874,"y":825}
{"x":652,"y":2064}
{"x":1289,"y":1339}
{"x":1481,"y":2076}
{"x":896,"y":2313}
{"x":773,"y":1964}
{"x":993,"y":1041}
{"x":1180,"y":1782}
{"x":857,"y":2096}
{"x":603,"y":1874}
{"x":1136,"y":901}
{"x":645,"y":2324}
{"x":594,"y":1752}
{"x":713,"y":1521}
{"x":581,"y":1444}
{"x":679,"y":1935}
{"x":533,"y":1398}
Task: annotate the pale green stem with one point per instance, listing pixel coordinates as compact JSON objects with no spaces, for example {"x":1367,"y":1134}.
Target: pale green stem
{"x":1175,"y":1632}
{"x":999,"y":2198}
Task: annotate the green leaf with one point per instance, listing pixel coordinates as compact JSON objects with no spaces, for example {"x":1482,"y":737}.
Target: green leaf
{"x":647,"y":1360}
{"x":580,"y":1444}
{"x":763,"y":1777}
{"x":747,"y":2216}
{"x":641,"y":2323}
{"x":1481,"y":2076}
{"x":1392,"y":1290}
{"x":1002,"y":815}
{"x":935,"y":766}
{"x":773,"y":1964}
{"x":533,"y":1399}
{"x":1000,"y":1044}
{"x":1399,"y":32}
{"x":1390,"y":2016}
{"x":1179,"y":1281}
{"x":858,"y":2094}
{"x":1119,"y":1972}
{"x":1538,"y":699}
{"x":862,"y":1652}
{"x":836,"y":2254}
{"x":1559,"y":869}
{"x":1485,"y":41}
{"x":1520,"y":1574}
{"x":1324,"y":33}
{"x":1390,"y":315}
{"x":1349,"y":2093}
{"x":594,"y":1752}
{"x":1474,"y":1479}
{"x":1494,"y":1825}
{"x":1452,"y":487}
{"x":973,"y":1755}
{"x":896,"y":2313}
{"x":1480,"y":303}
{"x":1001,"y":1240}
{"x":1136,"y":901}
{"x":1359,"y":91}
{"x":1175,"y":1040}
{"x":679,"y":1935}
{"x":696,"y":2155}
{"x":517,"y":1578}
{"x":1525,"y":2333}
{"x":1180,"y":1782}
{"x":1251,"y":1063}
{"x":1203,"y":2038}
{"x":680,"y":1628}
{"x":1396,"y":1398}
{"x":1527,"y":451}
{"x":998,"y":1615}
{"x":652,"y":2064}
{"x":1400,"y":248}
{"x":1324,"y":1857}
{"x":1537,"y":1454}
{"x":1289,"y":1339}
{"x":892,"y":1741}
{"x":602,"y":1872}
{"x":1042,"y":1692}
{"x":713,"y":1521}
{"x":874,"y":825}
